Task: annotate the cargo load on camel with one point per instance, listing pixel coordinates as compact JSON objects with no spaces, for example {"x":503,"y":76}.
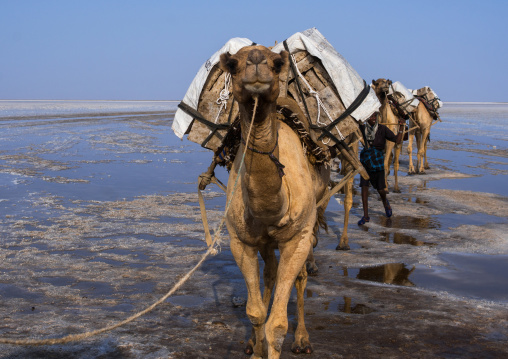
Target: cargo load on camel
{"x":321,"y":97}
{"x":430,"y":99}
{"x":405,"y":100}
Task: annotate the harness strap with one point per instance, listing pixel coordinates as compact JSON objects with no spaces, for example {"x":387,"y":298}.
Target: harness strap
{"x":280,"y":166}
{"x":198,"y":116}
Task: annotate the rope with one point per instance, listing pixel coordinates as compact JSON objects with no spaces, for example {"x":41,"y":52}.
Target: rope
{"x":211,"y":249}
{"x":222,"y":101}
{"x":319,"y":102}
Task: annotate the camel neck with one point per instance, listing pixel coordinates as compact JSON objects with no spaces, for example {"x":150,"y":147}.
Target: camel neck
{"x":262,"y":177}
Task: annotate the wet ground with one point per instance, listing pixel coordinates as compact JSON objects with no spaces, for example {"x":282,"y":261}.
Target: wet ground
{"x":99,"y":218}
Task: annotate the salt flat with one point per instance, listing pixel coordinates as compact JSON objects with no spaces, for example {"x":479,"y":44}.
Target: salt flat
{"x":99,"y":218}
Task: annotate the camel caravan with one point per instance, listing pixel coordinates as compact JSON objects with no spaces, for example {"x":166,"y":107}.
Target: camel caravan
{"x":276,"y":118}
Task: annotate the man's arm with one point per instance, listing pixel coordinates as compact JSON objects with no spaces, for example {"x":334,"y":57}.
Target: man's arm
{"x":390,"y":136}
{"x":402,"y":124}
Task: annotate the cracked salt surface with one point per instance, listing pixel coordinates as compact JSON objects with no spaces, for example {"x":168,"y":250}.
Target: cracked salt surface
{"x":120,"y":223}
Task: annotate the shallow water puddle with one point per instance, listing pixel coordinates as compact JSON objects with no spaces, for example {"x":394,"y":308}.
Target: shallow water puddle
{"x":444,"y":221}
{"x":475,"y":276}
{"x":471,"y":275}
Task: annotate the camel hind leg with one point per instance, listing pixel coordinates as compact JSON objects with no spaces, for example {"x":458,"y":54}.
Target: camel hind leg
{"x":426,"y":163}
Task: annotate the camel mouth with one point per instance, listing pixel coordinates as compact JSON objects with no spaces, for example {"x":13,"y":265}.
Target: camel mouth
{"x":257,"y":87}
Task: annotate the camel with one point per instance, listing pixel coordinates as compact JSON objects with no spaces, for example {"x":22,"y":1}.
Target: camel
{"x":388,"y":118}
{"x":272,"y":200}
{"x":421,"y":120}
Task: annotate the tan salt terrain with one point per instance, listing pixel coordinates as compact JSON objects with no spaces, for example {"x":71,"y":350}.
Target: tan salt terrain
{"x":100,"y":218}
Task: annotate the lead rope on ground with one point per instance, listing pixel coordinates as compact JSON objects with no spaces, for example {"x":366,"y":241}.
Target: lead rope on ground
{"x":211,"y":249}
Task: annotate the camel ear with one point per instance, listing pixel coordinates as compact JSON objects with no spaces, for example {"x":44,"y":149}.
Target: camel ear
{"x":228,"y":63}
{"x":281,"y":62}
{"x":373,"y":82}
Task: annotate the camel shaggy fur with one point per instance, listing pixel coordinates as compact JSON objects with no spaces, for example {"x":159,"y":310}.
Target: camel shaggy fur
{"x":273,"y":205}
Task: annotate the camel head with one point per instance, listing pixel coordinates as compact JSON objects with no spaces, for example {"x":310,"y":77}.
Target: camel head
{"x":255,"y":73}
{"x":381,"y":87}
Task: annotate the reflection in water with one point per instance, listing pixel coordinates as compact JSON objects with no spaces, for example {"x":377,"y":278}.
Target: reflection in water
{"x":401,"y":238}
{"x":415,"y":199}
{"x":391,"y":273}
{"x":404,"y":222}
{"x":348,"y":306}
{"x":417,"y":188}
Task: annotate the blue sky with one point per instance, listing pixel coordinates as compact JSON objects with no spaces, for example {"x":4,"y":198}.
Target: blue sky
{"x":151,"y":50}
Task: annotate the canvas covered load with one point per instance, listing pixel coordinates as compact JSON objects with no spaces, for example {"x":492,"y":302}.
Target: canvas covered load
{"x":407,"y":102}
{"x":325,"y":87}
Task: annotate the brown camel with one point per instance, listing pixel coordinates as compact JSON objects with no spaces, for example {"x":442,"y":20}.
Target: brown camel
{"x":273,"y":205}
{"x":421,"y":120}
{"x":388,"y":118}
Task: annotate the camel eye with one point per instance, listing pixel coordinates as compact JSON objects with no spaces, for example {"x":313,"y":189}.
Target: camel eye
{"x":277,"y":65}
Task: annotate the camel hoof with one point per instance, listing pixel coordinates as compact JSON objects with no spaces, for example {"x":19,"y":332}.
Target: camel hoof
{"x":312,"y":272}
{"x":344,"y":247}
{"x":248,"y":350}
{"x":299,"y":350}
{"x":312,"y":269}
{"x":421,"y":172}
{"x":396,"y":190}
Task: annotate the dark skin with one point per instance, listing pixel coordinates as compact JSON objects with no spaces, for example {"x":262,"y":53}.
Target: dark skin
{"x":382,"y":192}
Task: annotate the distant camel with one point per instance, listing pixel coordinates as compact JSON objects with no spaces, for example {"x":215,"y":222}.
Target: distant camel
{"x":421,"y":120}
{"x":388,"y":118}
{"x":273,"y":205}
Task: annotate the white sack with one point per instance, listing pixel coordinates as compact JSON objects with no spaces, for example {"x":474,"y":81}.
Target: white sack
{"x":347,"y":81}
{"x":409,"y":103}
{"x":182,"y":120}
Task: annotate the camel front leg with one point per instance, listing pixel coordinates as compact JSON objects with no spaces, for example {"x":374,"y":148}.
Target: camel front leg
{"x":269,"y":275}
{"x":398,"y":149}
{"x":348,"y":203}
{"x":292,"y":258}
{"x":301,"y":343}
{"x":247,"y":260}
{"x":388,"y":151}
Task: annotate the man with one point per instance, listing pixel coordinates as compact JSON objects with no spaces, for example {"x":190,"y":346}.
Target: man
{"x":372,"y":158}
